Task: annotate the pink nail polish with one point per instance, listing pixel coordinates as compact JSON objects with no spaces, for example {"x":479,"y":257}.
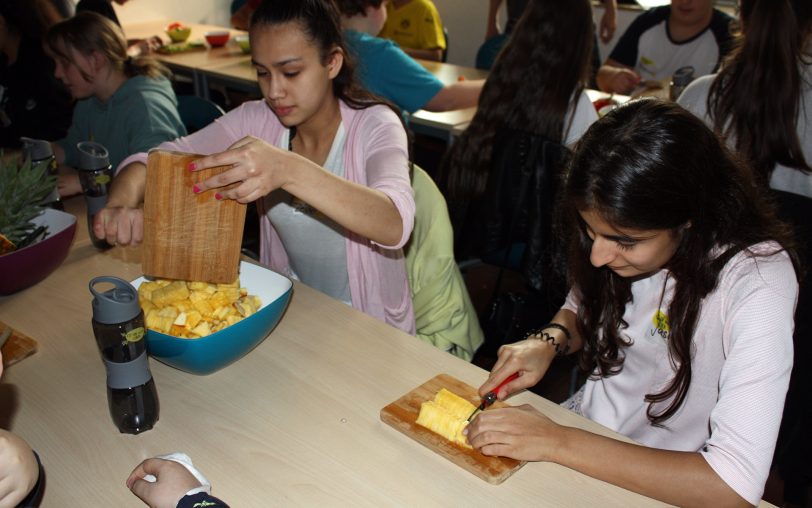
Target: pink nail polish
{"x":218,"y":196}
{"x":191,"y":166}
{"x":196,"y":189}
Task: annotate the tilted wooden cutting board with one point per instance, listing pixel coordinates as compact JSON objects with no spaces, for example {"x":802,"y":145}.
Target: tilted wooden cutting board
{"x":402,"y":415}
{"x":17,"y":346}
{"x":188,"y":236}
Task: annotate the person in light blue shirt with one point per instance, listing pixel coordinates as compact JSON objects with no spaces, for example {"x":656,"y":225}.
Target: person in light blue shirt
{"x":385,"y":70}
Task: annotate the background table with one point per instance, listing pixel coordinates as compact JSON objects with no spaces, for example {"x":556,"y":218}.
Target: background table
{"x":193,"y":64}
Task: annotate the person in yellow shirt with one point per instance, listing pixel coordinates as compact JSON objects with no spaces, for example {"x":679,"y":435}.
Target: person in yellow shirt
{"x":416,"y":26}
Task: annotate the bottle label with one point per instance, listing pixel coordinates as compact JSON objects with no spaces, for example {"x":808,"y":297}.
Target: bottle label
{"x":121,"y":376}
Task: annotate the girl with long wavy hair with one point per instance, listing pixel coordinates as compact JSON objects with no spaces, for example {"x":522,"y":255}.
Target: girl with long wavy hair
{"x":326,"y":162}
{"x":681,"y":307}
{"x":534,"y":94}
{"x":127,"y":104}
{"x":761,"y":100}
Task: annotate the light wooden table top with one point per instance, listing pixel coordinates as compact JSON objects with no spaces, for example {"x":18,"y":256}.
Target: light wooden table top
{"x":295,"y":422}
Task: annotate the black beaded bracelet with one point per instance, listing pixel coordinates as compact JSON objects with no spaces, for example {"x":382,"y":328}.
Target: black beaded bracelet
{"x":540,"y":334}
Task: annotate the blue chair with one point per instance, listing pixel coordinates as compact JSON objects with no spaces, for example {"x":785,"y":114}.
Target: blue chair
{"x":196,"y":112}
{"x":489,"y":50}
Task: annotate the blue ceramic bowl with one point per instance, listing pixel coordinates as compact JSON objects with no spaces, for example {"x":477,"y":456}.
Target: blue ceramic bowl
{"x":209,"y":354}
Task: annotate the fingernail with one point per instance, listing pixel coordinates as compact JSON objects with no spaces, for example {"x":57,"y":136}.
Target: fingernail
{"x":218,"y":196}
{"x":191,"y":166}
{"x":196,"y":189}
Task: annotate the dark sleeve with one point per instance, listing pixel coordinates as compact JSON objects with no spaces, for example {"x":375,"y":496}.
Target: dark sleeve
{"x":720,"y":28}
{"x":199,"y":499}
{"x":625,"y":51}
{"x":32,"y":500}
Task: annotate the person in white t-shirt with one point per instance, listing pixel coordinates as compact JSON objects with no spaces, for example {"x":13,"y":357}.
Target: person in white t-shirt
{"x":681,"y":308}
{"x":761,"y":100}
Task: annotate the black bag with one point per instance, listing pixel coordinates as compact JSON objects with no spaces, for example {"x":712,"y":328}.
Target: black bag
{"x":518,"y":209}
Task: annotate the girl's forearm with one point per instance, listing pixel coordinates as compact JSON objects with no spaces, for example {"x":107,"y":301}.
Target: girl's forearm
{"x":678,"y":478}
{"x":364,"y":211}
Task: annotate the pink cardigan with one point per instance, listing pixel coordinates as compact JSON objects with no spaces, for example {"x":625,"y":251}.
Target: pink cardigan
{"x":375,"y":155}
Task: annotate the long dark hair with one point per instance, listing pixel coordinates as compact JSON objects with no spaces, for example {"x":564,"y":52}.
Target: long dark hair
{"x":651,"y":165}
{"x":536,"y":77}
{"x":321,"y":23}
{"x":756,"y":97}
{"x":87,"y":32}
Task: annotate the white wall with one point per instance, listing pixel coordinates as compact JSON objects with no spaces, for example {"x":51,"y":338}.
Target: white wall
{"x":213,"y":12}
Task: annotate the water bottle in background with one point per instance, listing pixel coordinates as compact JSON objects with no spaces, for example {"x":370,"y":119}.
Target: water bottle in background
{"x":682,"y":78}
{"x":95,"y":175}
{"x":118,"y":324}
{"x":41,"y":152}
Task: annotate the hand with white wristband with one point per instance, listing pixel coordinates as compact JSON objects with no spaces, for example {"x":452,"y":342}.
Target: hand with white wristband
{"x":161,"y":482}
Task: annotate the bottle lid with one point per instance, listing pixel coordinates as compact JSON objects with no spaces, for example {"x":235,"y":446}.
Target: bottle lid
{"x":37,"y":149}
{"x":92,"y":156}
{"x":683,"y":75}
{"x":115,"y":305}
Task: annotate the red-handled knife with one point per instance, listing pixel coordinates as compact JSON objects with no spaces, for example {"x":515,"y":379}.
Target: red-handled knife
{"x":490,"y":397}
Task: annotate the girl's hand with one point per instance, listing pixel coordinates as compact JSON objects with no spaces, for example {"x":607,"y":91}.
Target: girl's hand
{"x":258,"y":167}
{"x":120,"y":225}
{"x":521,"y":433}
{"x":530,"y":358}
{"x":172,"y":482}
{"x":18,"y":469}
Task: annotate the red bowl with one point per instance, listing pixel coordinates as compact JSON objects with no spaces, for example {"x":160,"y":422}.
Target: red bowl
{"x":217,"y":38}
{"x":27,"y":266}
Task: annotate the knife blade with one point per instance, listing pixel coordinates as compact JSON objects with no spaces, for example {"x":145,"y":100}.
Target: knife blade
{"x":490,"y":397}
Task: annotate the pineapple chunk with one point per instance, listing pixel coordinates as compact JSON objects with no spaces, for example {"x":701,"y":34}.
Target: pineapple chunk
{"x":169,"y":294}
{"x":446,"y":415}
{"x":202,"y":329}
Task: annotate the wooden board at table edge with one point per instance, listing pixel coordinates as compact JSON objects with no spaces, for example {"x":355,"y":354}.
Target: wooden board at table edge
{"x":17,"y":347}
{"x":402,"y":416}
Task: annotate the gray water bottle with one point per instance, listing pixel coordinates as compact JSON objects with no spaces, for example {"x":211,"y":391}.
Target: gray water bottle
{"x":680,"y":80}
{"x":41,"y":152}
{"x":95,"y":174}
{"x":118,"y":324}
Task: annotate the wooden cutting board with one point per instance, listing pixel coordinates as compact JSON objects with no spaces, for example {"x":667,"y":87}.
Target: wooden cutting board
{"x":17,"y":346}
{"x":402,"y":415}
{"x":188,"y":236}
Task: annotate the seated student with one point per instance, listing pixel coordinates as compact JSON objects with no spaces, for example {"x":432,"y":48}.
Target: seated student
{"x":663,"y":39}
{"x":33,"y":102}
{"x":326,"y":163}
{"x":124,"y":103}
{"x":385,"y":70}
{"x":772,"y":130}
{"x":416,"y":27}
{"x":681,"y":308}
{"x":534,"y":94}
{"x":21,"y":475}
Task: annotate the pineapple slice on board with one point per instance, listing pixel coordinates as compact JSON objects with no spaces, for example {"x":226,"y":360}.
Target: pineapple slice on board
{"x":446,"y":415}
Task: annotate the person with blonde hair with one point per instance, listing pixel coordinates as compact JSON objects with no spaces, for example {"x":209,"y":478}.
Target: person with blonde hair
{"x":127,"y":104}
